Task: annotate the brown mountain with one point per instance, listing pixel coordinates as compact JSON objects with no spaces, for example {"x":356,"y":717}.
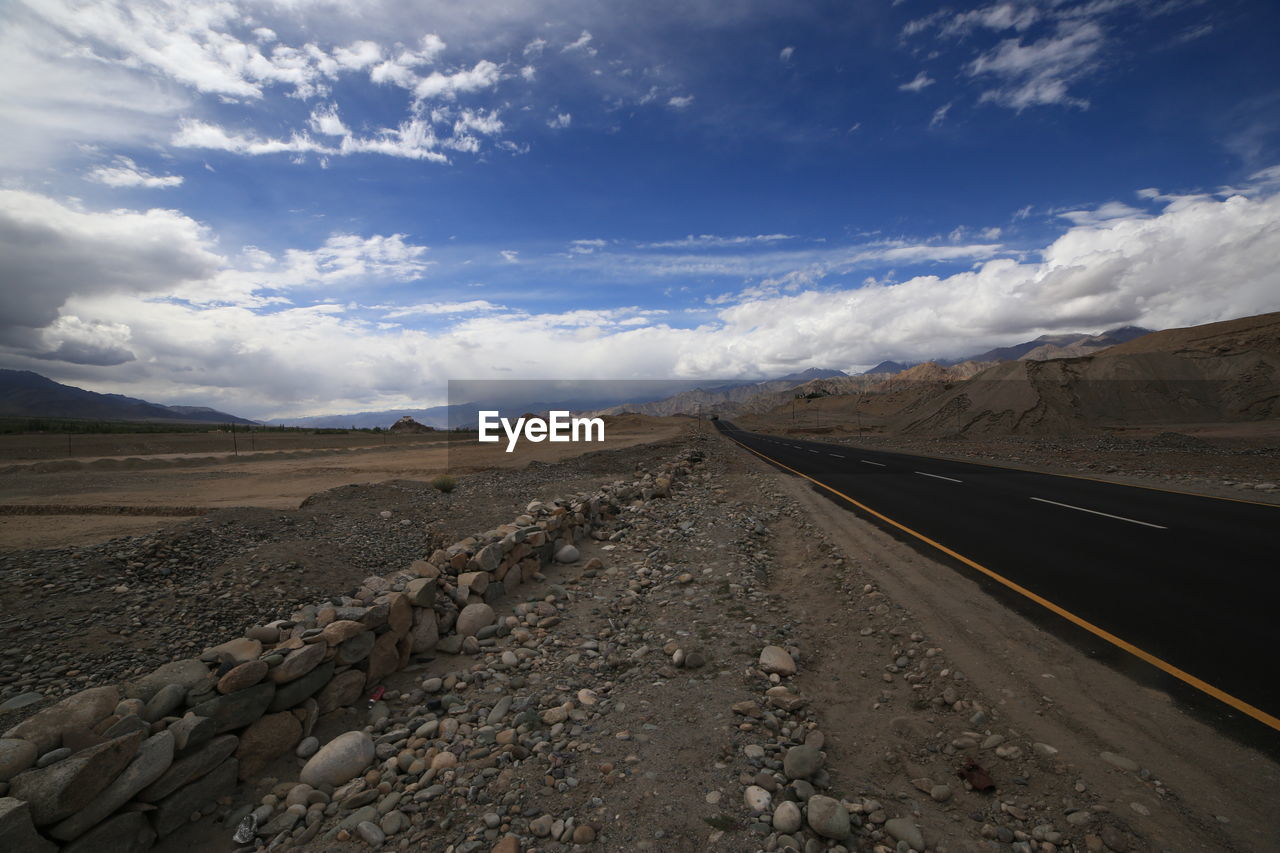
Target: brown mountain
{"x":1220,"y":372}
{"x":1215,"y":373}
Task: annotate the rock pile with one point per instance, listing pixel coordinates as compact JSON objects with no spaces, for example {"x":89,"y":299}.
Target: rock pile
{"x":113,"y":768}
{"x":407,"y":425}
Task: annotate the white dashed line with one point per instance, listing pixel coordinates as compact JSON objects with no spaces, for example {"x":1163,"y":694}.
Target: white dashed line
{"x":813,"y":451}
{"x":939,"y":477}
{"x":1104,"y":514}
{"x":869,"y":462}
{"x":836,"y":455}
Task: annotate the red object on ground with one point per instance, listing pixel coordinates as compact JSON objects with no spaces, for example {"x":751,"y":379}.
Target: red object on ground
{"x":979,"y":778}
{"x":376,"y":694}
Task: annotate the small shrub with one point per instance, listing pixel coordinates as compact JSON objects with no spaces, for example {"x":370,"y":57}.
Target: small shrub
{"x":443,"y":483}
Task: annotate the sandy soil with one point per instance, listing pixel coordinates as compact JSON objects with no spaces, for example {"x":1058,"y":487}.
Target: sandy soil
{"x":263,"y":480}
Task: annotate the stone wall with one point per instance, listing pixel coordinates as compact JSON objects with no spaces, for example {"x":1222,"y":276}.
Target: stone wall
{"x":112,"y":769}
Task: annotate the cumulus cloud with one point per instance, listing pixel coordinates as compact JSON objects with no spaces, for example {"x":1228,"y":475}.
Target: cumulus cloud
{"x":1183,"y":260}
{"x":560,"y":121}
{"x":50,"y":250}
{"x":484,"y":75}
{"x":679,"y":102}
{"x":326,"y":120}
{"x":786,"y":53}
{"x":123,"y":172}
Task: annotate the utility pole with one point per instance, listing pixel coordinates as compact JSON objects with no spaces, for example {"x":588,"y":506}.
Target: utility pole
{"x":235,"y":448}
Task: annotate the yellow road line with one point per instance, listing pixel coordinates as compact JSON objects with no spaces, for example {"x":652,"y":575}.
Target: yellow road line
{"x":1186,"y":677}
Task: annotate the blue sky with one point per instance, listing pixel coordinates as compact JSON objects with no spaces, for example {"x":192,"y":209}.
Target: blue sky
{"x":307,"y":207}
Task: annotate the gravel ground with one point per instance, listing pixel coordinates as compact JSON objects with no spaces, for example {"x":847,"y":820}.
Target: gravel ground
{"x":735,"y":668}
{"x":78,"y":617}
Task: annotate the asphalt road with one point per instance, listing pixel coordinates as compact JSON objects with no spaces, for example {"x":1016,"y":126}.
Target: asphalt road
{"x":1188,"y":584}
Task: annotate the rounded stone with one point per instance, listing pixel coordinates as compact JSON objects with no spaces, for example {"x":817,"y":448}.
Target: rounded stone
{"x":827,"y":817}
{"x":541,"y":826}
{"x":801,"y":762}
{"x":472,"y":618}
{"x":240,"y":650}
{"x":243,"y":676}
{"x":298,"y":663}
{"x":308,"y":747}
{"x":786,"y":817}
{"x":757,"y":799}
{"x":371,"y":833}
{"x":567,"y":554}
{"x":339,"y":761}
{"x":776,"y":659}
{"x":341,"y":631}
{"x":903,"y":829}
{"x":16,"y":755}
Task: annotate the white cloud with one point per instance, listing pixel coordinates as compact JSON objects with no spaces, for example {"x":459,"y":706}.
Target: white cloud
{"x":786,"y":53}
{"x":484,"y":75}
{"x":714,"y":241}
{"x":679,"y":102}
{"x":586,"y":247}
{"x":359,"y":55}
{"x":1001,"y":16}
{"x":189,"y":43}
{"x":123,"y":172}
{"x":582,"y":43}
{"x":326,"y":120}
{"x":486,"y":123}
{"x":193,"y":133}
{"x":1103,"y":213}
{"x":414,"y":139}
{"x":50,"y":250}
{"x":1039,"y":73}
{"x":1151,"y":269}
{"x":511,"y":256}
{"x":940,"y":115}
{"x":431,"y":309}
{"x":919,"y":84}
{"x":535,"y":47}
{"x":561,"y":121}
{"x":348,"y":257}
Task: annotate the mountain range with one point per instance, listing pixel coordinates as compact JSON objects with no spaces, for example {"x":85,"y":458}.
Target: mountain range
{"x":27,"y":394}
{"x":30,"y":395}
{"x":1223,"y":372}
